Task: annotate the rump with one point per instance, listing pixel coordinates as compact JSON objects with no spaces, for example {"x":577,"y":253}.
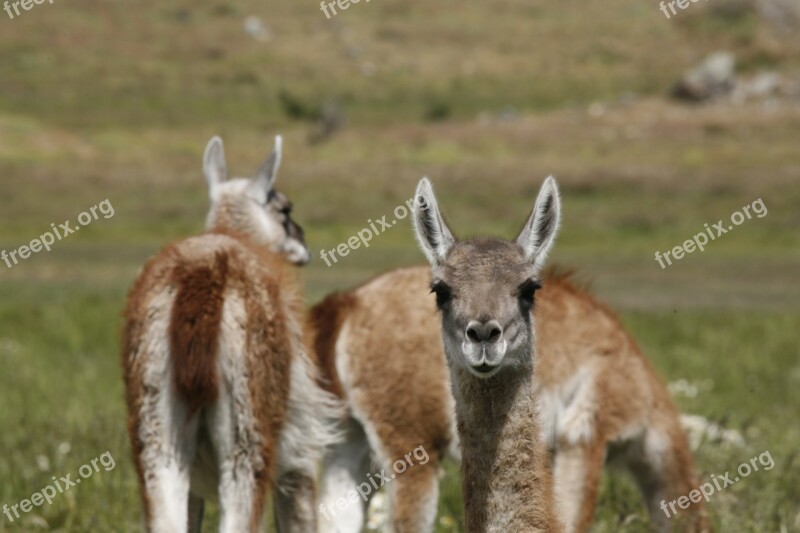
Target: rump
{"x":195,"y":329}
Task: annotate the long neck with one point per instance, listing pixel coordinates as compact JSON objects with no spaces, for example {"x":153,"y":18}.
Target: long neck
{"x":507,"y":483}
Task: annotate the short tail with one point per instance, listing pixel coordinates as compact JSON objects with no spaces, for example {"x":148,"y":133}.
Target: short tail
{"x":194,"y":331}
{"x":326,"y":320}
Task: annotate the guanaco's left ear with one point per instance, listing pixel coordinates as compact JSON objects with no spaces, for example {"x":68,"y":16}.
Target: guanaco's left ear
{"x":539,"y":232}
{"x":214,"y":167}
{"x":264,"y":180}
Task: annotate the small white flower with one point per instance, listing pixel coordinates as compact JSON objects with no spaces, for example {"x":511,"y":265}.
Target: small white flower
{"x":700,"y":429}
{"x":682,"y":388}
{"x":256,"y":29}
{"x":38,"y":522}
{"x":64,"y":448}
{"x":43,"y":463}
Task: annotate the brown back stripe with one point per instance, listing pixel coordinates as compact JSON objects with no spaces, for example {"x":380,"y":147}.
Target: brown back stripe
{"x":194,"y":331}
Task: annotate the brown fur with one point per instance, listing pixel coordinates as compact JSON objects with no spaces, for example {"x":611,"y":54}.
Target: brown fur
{"x":132,"y":335}
{"x":396,"y":377}
{"x":325,"y":321}
{"x":628,"y":389}
{"x":393,"y":386}
{"x":200,"y":272}
{"x":194,"y":330}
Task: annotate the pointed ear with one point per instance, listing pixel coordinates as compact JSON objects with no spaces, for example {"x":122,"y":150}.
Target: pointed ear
{"x":432,"y":232}
{"x":537,"y":237}
{"x":214,"y":167}
{"x":264,"y":180}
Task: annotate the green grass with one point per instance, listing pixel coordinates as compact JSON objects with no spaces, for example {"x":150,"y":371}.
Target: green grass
{"x":117,"y":99}
{"x":60,"y":375}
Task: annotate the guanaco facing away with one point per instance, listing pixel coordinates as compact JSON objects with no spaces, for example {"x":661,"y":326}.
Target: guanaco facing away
{"x":600,"y":399}
{"x":222,"y":397}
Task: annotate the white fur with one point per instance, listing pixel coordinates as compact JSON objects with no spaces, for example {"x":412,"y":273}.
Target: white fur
{"x":232,"y":424}
{"x":311,"y":415}
{"x":347,"y":464}
{"x":656,"y":446}
{"x":214,"y":166}
{"x":568,"y":409}
{"x":568,"y":477}
{"x":167,"y":454}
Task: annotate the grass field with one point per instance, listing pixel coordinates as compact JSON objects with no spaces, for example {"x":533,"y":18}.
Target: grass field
{"x":115,"y":100}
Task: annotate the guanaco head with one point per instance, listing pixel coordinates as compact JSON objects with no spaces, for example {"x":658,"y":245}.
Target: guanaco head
{"x":485,"y":287}
{"x":251,"y":206}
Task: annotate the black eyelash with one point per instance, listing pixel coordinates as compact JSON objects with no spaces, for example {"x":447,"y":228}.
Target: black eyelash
{"x":527,"y":291}
{"x":443,"y":293}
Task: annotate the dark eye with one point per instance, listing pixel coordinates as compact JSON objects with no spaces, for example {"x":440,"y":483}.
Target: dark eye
{"x":443,"y":293}
{"x":527,"y":291}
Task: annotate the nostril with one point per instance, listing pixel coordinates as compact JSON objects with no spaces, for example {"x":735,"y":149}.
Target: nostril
{"x":480,"y":332}
{"x":472,"y":334}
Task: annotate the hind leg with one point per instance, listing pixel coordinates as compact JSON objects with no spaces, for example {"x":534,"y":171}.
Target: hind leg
{"x":345,"y":467}
{"x":413,"y":498}
{"x":166,"y":452}
{"x":661,"y":463}
{"x":243,"y":472}
{"x":576,"y":480}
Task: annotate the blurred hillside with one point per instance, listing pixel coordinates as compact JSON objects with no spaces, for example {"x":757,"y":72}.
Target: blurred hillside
{"x":252,"y":64}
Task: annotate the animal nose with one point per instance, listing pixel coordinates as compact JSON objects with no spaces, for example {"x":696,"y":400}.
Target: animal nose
{"x":480,"y":332}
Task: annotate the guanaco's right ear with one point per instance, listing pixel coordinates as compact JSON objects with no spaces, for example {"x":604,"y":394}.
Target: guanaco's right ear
{"x":433,"y":235}
{"x":214,"y":167}
{"x":539,"y":232}
{"x":264,"y":180}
